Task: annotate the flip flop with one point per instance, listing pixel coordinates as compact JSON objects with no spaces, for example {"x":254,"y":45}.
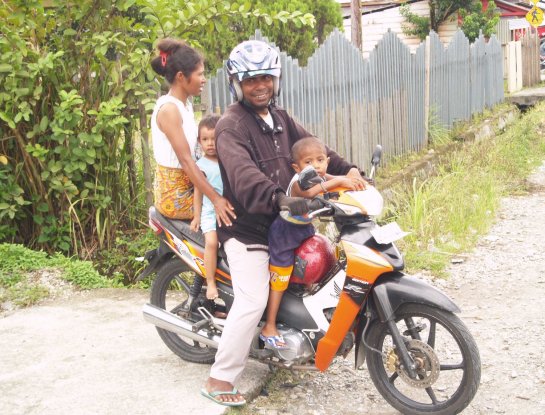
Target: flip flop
{"x":212,"y":396}
{"x":276,"y":342}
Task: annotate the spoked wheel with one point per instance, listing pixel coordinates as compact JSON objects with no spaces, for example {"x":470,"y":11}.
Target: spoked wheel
{"x":169,"y":291}
{"x":448,"y":365}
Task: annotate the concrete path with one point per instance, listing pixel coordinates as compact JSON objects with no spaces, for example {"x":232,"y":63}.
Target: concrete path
{"x":527,"y":97}
{"x":94,"y":354}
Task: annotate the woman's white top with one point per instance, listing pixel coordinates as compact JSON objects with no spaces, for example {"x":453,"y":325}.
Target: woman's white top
{"x":162,"y":150}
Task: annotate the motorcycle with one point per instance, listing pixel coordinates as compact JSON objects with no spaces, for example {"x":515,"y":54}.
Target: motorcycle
{"x":350,"y":295}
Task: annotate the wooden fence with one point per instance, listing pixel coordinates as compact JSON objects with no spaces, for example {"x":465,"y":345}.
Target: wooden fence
{"x":354,"y":103}
{"x":530,"y":60}
{"x":523,"y":63}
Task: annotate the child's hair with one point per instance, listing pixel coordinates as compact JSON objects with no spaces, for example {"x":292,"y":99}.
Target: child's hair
{"x":175,"y":56}
{"x":306,"y":142}
{"x":208,"y":121}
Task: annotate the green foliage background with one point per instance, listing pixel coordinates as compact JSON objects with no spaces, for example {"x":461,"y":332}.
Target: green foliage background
{"x":288,"y":35}
{"x":18,"y":264}
{"x":76,"y":91}
{"x":440,"y":11}
{"x":475,"y":20}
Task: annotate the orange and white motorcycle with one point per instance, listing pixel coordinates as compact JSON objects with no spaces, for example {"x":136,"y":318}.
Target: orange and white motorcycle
{"x":342,"y":296}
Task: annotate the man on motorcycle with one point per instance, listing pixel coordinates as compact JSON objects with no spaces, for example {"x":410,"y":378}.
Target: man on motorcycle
{"x":253,"y":140}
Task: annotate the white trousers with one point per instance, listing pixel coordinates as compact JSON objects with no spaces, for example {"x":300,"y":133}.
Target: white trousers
{"x":250,"y":276}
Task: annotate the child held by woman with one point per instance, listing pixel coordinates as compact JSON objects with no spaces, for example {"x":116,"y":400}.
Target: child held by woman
{"x":205,"y":216}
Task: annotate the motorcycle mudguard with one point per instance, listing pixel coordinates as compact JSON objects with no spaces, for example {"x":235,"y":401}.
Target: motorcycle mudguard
{"x":390,"y":292}
{"x":394,"y":289}
{"x":155,"y":257}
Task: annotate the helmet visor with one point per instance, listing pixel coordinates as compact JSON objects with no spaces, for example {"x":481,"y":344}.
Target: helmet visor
{"x":241,"y":76}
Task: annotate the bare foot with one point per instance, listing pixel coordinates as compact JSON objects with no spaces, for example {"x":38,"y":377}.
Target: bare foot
{"x":211,"y":292}
{"x":216,"y":385}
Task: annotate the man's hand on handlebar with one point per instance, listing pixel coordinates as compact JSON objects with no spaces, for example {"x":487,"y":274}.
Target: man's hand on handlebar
{"x":297,"y":206}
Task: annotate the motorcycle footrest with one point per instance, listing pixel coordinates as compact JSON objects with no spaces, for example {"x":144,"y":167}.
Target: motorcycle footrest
{"x":261,"y":354}
{"x":201,"y":324}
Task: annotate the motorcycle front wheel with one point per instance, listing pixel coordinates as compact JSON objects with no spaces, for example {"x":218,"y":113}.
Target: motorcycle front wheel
{"x":447,"y":362}
{"x":169,"y":291}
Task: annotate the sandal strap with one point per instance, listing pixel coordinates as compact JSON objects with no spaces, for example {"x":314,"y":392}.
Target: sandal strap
{"x":217,"y":393}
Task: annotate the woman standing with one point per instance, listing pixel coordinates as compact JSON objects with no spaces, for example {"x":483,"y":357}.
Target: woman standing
{"x":174,"y":135}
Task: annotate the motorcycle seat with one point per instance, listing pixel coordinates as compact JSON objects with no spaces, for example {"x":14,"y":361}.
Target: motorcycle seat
{"x":182,"y":228}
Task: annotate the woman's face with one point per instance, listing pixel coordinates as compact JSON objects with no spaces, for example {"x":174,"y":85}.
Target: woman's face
{"x":195,"y":83}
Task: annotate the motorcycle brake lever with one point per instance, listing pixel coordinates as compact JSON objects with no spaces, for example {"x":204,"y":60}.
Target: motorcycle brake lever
{"x":317,"y":206}
{"x":315,"y":213}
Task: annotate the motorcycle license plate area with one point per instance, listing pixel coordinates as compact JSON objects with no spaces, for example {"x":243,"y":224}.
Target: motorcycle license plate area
{"x":388,"y":233}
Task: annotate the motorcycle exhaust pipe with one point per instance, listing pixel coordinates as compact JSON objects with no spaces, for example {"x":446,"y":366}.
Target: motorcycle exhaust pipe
{"x":171,"y":322}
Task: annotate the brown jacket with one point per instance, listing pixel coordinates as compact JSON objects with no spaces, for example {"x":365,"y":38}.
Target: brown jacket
{"x":255,"y":164}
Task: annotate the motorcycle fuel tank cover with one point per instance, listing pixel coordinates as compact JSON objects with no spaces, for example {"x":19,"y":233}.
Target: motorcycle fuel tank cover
{"x":313,"y":259}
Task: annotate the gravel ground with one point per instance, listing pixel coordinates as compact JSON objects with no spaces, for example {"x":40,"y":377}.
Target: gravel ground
{"x":500,"y":287}
{"x":48,"y":279}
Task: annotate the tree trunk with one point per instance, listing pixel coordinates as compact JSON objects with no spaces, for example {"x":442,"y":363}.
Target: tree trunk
{"x":433,"y":18}
{"x":131,"y":167}
{"x":145,"y":155}
{"x":355,"y":23}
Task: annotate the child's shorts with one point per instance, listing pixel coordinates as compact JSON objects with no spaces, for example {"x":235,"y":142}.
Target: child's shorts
{"x":208,"y":221}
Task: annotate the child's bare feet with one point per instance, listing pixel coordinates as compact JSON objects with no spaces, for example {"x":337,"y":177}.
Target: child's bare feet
{"x":211,"y":291}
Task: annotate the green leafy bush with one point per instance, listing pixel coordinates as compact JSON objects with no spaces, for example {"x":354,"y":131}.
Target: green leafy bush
{"x":121,"y":261}
{"x":17,"y":261}
{"x":476,"y":20}
{"x":76,"y":91}
{"x":19,"y":265}
{"x":18,"y":258}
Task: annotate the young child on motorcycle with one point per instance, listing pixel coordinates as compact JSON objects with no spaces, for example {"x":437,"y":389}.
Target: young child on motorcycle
{"x":205,"y":216}
{"x":286,"y":235}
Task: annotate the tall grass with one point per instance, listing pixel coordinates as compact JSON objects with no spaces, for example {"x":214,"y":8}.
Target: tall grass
{"x":438,"y":133}
{"x":447,"y":212}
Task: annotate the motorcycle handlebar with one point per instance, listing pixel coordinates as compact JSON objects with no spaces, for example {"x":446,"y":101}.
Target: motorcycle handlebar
{"x":317,"y":206}
{"x":314,"y":204}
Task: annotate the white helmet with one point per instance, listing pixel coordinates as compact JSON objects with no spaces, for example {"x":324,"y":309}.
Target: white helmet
{"x":249,"y":59}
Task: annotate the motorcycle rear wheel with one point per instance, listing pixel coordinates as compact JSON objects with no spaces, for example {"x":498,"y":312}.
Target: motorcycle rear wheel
{"x":169,"y":291}
{"x":449,"y":361}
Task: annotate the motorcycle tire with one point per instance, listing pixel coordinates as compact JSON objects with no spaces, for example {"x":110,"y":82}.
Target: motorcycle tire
{"x":172,"y":283}
{"x":440,"y":344}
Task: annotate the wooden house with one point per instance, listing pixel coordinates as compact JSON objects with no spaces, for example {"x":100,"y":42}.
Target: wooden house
{"x":380,"y":16}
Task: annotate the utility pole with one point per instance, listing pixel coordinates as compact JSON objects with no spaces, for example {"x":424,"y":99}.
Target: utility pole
{"x":355,"y":23}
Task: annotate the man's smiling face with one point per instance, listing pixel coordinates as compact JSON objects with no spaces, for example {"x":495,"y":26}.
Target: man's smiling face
{"x":258,"y":91}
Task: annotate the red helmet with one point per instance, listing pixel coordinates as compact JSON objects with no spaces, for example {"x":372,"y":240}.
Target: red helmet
{"x":313,"y":259}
